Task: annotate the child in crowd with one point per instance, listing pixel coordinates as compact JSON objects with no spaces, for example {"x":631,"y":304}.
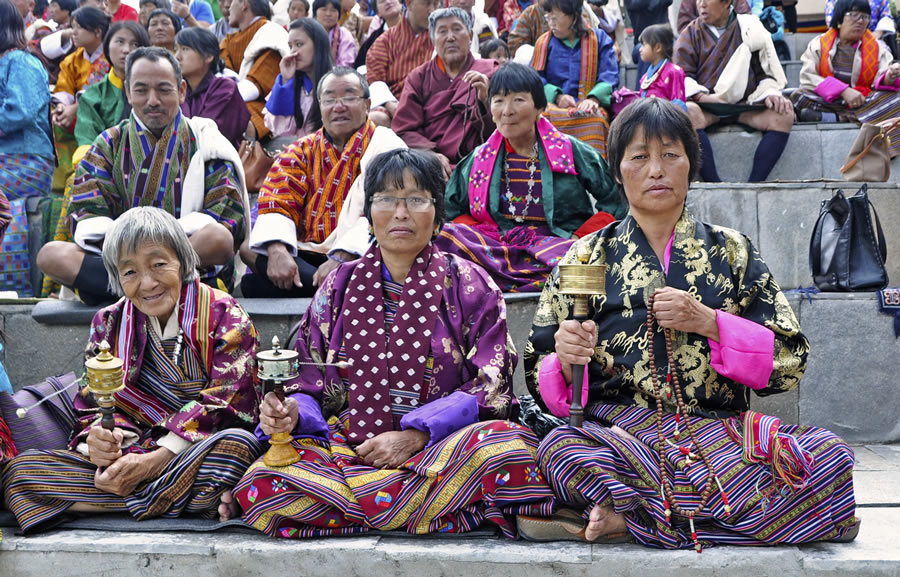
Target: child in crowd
{"x":298,"y":9}
{"x":495,"y":49}
{"x":664,"y":79}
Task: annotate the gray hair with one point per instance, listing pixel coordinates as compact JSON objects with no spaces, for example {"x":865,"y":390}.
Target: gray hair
{"x":341,"y":71}
{"x":147,"y":224}
{"x":451,"y":12}
{"x":153,"y":54}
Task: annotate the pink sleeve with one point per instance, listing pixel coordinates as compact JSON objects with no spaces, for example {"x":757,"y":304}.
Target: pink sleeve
{"x":347,"y":48}
{"x":830,"y":89}
{"x":677,"y":84}
{"x":879,"y":83}
{"x":745,"y":351}
{"x":556,"y":393}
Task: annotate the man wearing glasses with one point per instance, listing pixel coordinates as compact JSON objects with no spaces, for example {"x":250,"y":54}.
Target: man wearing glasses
{"x":311,"y":205}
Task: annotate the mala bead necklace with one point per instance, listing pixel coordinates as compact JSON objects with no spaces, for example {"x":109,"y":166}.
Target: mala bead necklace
{"x":667,"y":488}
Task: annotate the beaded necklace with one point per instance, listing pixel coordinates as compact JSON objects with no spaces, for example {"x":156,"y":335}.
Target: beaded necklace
{"x":529,"y":199}
{"x":667,"y":489}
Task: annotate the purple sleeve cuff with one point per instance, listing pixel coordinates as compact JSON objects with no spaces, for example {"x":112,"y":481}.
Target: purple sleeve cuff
{"x":830,"y":89}
{"x":880,"y":85}
{"x":442,"y":417}
{"x":310,"y":424}
{"x":281,"y":99}
{"x":745,"y":352}
{"x":555,"y":392}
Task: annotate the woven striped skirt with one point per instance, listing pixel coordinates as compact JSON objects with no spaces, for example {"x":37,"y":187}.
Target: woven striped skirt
{"x":879,"y":105}
{"x":41,"y":485}
{"x":593,"y":466}
{"x":518,"y":261}
{"x":592,"y":130}
{"x":485,"y":472}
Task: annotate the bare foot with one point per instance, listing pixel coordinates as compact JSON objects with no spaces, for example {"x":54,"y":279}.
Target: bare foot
{"x":228,"y":508}
{"x":604,"y":521}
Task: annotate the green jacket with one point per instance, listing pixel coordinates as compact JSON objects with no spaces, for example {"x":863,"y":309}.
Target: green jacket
{"x":566,"y":197}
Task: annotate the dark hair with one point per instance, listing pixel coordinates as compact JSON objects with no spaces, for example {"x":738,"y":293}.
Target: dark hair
{"x":12,"y":28}
{"x":260,"y":8}
{"x":92,"y":19}
{"x":67,"y":5}
{"x":322,"y":63}
{"x":514,"y":77}
{"x":323,"y":3}
{"x":659,"y":34}
{"x":139,"y":32}
{"x":571,"y":7}
{"x":164,"y":4}
{"x":40,"y":6}
{"x":176,"y":21}
{"x":657,"y":118}
{"x":305,"y":3}
{"x":344,"y":71}
{"x":841,"y":7}
{"x":386,"y":171}
{"x":491,"y":45}
{"x":204,"y":43}
{"x":153,"y":54}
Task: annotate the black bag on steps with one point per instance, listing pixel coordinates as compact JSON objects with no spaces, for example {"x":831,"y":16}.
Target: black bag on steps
{"x":845,"y":254}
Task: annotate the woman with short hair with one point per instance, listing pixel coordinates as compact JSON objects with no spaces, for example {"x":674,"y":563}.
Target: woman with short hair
{"x":670,"y":454}
{"x":182,"y":423}
{"x":162,"y":26}
{"x":418,"y":416}
{"x":209,"y":94}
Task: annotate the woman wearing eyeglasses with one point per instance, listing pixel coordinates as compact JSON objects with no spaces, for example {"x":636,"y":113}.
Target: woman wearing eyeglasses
{"x":412,"y":435}
{"x":847,"y":73}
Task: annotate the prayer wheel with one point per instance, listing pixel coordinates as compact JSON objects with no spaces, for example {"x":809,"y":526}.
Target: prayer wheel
{"x":275,"y":367}
{"x":104,"y":377}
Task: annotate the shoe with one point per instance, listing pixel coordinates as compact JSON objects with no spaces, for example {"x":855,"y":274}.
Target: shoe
{"x":850,"y":535}
{"x":808,"y":115}
{"x":565,"y":525}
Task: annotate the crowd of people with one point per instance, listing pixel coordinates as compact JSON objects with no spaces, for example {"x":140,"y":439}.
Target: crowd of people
{"x":403,"y":166}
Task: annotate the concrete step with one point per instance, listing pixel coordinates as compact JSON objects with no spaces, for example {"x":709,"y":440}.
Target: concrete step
{"x":813,"y":152}
{"x":628,"y":75}
{"x":229,"y":553}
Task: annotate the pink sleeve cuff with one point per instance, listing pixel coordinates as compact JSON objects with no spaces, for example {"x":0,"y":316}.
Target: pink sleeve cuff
{"x":745,"y":352}
{"x":879,"y":83}
{"x":557,"y":394}
{"x":830,"y":89}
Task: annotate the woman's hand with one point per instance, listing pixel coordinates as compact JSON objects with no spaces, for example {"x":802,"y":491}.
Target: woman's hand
{"x":288,"y":67}
{"x":565,"y":101}
{"x":104,"y":447}
{"x":391,"y":449}
{"x":675,"y":309}
{"x":854,"y":98}
{"x":589,"y":106}
{"x":278,"y":416}
{"x":123,"y":476}
{"x":64,"y":115}
{"x":575,"y":342}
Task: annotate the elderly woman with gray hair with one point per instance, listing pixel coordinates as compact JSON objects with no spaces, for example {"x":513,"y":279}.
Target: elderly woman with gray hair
{"x":189,"y":404}
{"x":444,"y":104}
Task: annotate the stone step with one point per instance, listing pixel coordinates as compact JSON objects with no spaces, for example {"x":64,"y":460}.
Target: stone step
{"x":839,"y":327}
{"x":628,"y":74}
{"x":813,"y":152}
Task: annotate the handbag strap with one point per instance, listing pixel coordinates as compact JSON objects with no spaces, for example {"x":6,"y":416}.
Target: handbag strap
{"x":882,"y":245}
{"x":882,"y":134}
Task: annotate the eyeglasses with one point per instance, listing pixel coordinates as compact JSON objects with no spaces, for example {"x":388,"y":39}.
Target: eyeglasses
{"x":858,"y":16}
{"x":345,"y":100}
{"x":383,"y":203}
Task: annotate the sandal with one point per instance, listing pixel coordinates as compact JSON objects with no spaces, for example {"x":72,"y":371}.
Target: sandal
{"x":850,"y":535}
{"x":565,"y":525}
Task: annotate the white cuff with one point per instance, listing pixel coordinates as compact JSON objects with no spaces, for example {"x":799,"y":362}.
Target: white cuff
{"x":90,"y":232}
{"x":271,"y":227}
{"x":52,"y":47}
{"x":354,"y":240}
{"x":692,"y":87}
{"x":523,"y":54}
{"x":64,"y":97}
{"x":194,"y":221}
{"x":249,"y":91}
{"x":174,"y":443}
{"x":380,"y":94}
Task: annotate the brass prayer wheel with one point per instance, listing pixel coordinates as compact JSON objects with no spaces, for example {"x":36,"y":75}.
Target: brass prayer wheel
{"x":105,"y":377}
{"x":580,"y":281}
{"x":275,"y":367}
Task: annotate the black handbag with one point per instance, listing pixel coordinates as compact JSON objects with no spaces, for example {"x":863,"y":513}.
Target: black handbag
{"x":844,"y":252}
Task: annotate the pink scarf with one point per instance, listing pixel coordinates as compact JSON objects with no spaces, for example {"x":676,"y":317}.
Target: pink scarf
{"x":557,"y":148}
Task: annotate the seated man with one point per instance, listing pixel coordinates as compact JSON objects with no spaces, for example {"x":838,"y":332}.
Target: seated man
{"x":732,"y":74}
{"x":311,"y":205}
{"x":444,"y":106}
{"x":156,"y":157}
{"x":254,"y":51}
{"x":395,"y":54}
